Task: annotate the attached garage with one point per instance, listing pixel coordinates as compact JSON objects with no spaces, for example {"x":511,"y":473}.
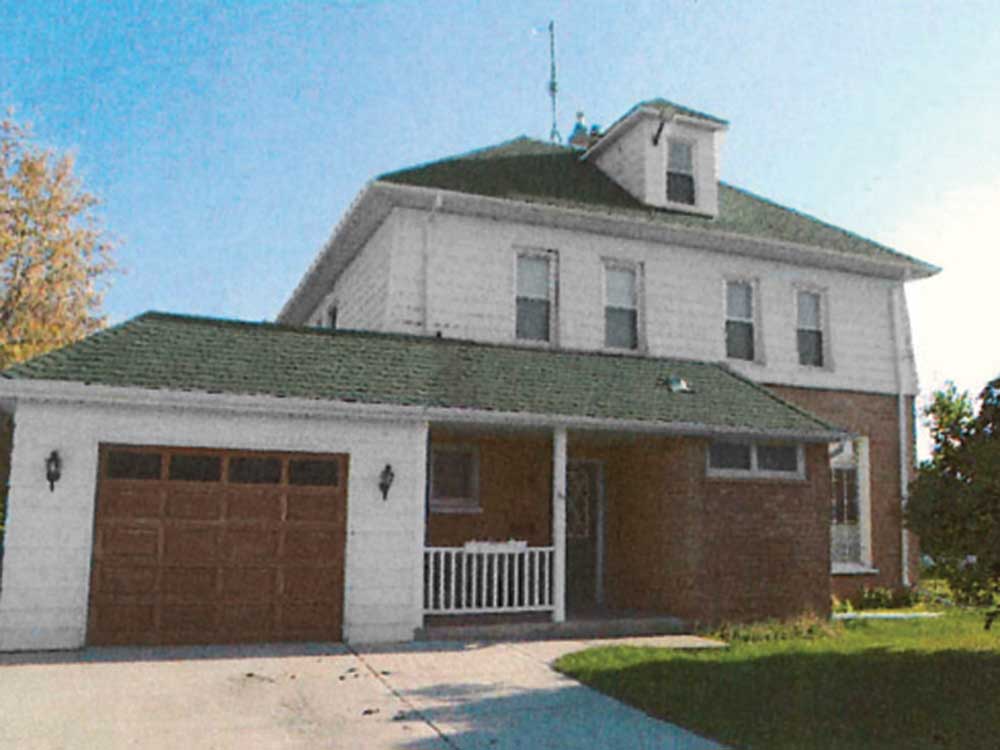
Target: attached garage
{"x":217,"y":546}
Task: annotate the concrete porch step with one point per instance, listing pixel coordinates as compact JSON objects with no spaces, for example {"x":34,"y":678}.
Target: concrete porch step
{"x":604,"y":626}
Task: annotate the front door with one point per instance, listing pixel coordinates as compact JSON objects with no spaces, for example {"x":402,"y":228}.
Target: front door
{"x":584,"y":536}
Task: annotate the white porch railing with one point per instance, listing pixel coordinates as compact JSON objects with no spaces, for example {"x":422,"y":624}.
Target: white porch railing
{"x":483,"y":577}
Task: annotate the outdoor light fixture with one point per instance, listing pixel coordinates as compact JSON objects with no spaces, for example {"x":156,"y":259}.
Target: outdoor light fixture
{"x":53,"y":469}
{"x":385,"y":481}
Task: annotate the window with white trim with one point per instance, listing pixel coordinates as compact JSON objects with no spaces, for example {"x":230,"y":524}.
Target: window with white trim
{"x":454,"y":479}
{"x":809,"y":329}
{"x":535,"y":294}
{"x":740,"y":333}
{"x":850,"y":523}
{"x":621,"y":306}
{"x":744,"y":459}
{"x":680,"y":172}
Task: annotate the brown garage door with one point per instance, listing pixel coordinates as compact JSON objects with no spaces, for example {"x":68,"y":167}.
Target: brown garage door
{"x":211,"y":546}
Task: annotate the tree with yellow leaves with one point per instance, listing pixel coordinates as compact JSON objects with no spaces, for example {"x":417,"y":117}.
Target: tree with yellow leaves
{"x":54,"y":258}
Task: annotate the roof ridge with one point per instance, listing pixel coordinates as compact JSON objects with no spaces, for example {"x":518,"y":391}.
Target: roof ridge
{"x":478,"y":153}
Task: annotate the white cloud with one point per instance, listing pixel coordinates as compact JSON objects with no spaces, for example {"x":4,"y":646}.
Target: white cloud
{"x":955,"y":315}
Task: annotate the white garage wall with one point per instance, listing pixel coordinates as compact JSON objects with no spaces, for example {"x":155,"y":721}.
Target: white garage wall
{"x":46,"y":566}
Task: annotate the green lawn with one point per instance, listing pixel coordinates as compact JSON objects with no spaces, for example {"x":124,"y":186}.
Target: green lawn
{"x":932,"y":683}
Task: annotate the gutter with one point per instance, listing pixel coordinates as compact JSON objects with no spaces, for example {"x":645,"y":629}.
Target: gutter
{"x":897,"y":310}
{"x":14,"y":392}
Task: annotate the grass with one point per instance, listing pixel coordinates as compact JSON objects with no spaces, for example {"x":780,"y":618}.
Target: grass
{"x":929,"y":683}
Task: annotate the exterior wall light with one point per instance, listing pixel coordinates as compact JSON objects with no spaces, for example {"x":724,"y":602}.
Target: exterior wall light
{"x":385,"y":481}
{"x":53,"y":469}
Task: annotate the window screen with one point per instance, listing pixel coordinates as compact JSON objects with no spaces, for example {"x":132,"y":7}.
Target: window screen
{"x":810,"y":329}
{"x":778,"y":458}
{"x":454,"y":479}
{"x":680,"y":173}
{"x":533,"y":299}
{"x":739,"y":320}
{"x":723,"y":455}
{"x":621,"y":319}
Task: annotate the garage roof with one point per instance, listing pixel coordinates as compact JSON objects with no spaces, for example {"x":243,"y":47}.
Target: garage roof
{"x":207,"y":355}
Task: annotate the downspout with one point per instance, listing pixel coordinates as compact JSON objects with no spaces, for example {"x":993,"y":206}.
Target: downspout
{"x":425,"y":257}
{"x":897,"y":308}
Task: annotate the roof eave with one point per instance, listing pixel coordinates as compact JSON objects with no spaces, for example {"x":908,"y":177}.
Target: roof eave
{"x":16,"y":390}
{"x":362,"y":218}
{"x":419,"y":197}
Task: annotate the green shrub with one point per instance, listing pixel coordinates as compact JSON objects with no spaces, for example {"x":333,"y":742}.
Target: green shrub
{"x":808,"y":627}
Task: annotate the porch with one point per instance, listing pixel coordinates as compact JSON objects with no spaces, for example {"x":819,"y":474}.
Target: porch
{"x":538,"y":532}
{"x":551,"y":533}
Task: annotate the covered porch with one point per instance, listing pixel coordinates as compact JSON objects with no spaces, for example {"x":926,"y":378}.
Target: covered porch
{"x":527,"y":526}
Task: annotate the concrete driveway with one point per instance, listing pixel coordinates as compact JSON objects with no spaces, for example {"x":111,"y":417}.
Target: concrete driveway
{"x":420,"y":696}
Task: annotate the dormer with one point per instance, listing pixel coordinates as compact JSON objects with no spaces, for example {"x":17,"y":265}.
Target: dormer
{"x":665,"y":155}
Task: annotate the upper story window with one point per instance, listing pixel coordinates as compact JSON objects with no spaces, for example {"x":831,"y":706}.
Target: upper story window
{"x":809,"y":329}
{"x":330,"y":318}
{"x":621,"y":306}
{"x":454,"y":479}
{"x":535,"y":292}
{"x":740,"y":320}
{"x":680,"y":172}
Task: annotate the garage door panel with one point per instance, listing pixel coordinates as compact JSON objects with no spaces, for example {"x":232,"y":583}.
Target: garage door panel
{"x":249,"y":583}
{"x":125,"y":617}
{"x":243,"y":545}
{"x":306,"y":617}
{"x":310,"y":543}
{"x":246,"y":619}
{"x":193,"y":505}
{"x":212,"y":546}
{"x":190,"y":544}
{"x":131,"y":502}
{"x":178,"y":617}
{"x":140,"y":543}
{"x":188,"y":582}
{"x":121,"y":580}
{"x":312,"y":583}
{"x":312,"y":507}
{"x":247,"y":505}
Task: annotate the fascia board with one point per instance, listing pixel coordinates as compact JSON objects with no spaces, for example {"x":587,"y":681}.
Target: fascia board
{"x":363,"y":217}
{"x":14,"y":392}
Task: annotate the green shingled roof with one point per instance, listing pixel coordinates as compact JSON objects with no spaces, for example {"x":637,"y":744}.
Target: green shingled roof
{"x":525,"y":169}
{"x":173,"y":352}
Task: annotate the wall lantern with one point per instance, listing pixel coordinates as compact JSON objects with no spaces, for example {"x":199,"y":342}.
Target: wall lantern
{"x":385,"y":481}
{"x":53,"y":469}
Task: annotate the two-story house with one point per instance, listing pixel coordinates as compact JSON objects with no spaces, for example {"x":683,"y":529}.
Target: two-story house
{"x":527,"y":381}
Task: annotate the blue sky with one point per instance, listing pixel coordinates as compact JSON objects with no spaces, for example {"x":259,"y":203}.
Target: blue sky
{"x":227,"y":139}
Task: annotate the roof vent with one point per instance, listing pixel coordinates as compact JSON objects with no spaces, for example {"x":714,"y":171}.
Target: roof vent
{"x":579,"y":138}
{"x":676,"y":384}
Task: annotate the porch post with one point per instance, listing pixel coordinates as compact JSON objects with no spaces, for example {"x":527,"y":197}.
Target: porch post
{"x":559,"y":524}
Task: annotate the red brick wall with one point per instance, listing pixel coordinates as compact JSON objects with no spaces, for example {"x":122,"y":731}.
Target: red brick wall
{"x":876,"y":416}
{"x":515,"y":491}
{"x":709,"y":549}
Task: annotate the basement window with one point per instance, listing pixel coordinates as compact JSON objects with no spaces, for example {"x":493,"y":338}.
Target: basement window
{"x":738,"y":459}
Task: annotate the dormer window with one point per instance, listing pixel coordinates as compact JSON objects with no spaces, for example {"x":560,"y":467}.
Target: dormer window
{"x":680,"y":172}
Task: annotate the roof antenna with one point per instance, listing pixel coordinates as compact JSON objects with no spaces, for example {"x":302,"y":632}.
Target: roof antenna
{"x":553,"y":86}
